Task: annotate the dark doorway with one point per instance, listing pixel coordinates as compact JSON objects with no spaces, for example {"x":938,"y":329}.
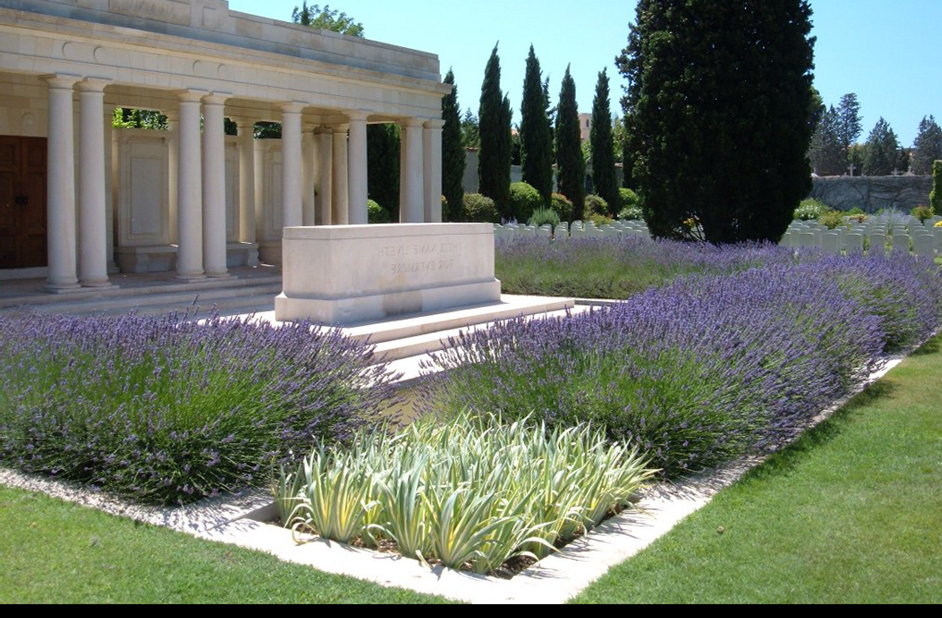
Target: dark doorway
{"x":22,"y":202}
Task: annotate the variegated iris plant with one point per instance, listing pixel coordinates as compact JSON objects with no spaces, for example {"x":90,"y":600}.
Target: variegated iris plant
{"x":470,"y":493}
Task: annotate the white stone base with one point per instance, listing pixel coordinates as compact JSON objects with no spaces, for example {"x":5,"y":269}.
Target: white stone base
{"x":140,"y":260}
{"x":342,"y":275}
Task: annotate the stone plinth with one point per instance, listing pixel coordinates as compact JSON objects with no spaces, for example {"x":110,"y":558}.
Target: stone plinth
{"x":341,"y":275}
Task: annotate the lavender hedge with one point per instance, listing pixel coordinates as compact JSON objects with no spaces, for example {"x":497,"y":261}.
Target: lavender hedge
{"x":168,"y":411}
{"x":706,"y":368}
{"x":619,"y":267}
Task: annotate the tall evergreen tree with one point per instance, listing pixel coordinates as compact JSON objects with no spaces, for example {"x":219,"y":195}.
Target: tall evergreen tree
{"x":721,"y":115}
{"x":470,"y":130}
{"x":494,"y":162}
{"x":569,"y":158}
{"x":382,"y":162}
{"x":928,"y":147}
{"x":536,"y":147}
{"x":603,"y":146}
{"x":881,"y":152}
{"x":454,"y":159}
{"x":850,"y":126}
{"x":828,"y":157}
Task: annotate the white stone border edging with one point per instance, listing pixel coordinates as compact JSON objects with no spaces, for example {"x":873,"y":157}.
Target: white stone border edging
{"x":555,"y":579}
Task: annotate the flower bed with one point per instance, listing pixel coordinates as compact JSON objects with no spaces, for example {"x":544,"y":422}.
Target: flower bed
{"x":166,"y":411}
{"x":619,"y":267}
{"x":704,"y":369}
{"x":469,"y":493}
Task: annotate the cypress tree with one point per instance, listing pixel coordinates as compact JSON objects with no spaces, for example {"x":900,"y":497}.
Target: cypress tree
{"x":828,"y":157}
{"x":569,"y":159}
{"x":382,"y":161}
{"x":928,"y":146}
{"x":935,"y":198}
{"x":453,"y":154}
{"x":603,"y":146}
{"x":494,"y":119}
{"x":881,"y":152}
{"x":536,"y":145}
{"x":721,"y":115}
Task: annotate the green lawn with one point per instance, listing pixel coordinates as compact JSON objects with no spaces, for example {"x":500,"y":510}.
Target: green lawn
{"x":55,"y":552}
{"x":850,"y":514}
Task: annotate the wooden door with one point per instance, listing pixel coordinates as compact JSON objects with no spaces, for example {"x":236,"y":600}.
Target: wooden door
{"x":22,"y":202}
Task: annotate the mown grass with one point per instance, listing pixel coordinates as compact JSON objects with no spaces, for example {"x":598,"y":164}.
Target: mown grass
{"x":852,"y":513}
{"x":56,"y":552}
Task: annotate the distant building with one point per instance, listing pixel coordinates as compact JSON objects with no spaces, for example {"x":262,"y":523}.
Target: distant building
{"x":585,"y":126}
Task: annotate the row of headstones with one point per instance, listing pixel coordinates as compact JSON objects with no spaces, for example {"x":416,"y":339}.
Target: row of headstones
{"x":578,"y":229}
{"x":897,"y":235}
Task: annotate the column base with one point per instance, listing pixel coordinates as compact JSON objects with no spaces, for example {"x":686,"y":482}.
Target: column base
{"x":98,"y":285}
{"x":191,"y":278}
{"x":224,"y":275}
{"x":62,"y":288}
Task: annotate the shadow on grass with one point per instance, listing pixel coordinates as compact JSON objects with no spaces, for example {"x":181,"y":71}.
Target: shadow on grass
{"x":791,"y":456}
{"x":934,"y":346}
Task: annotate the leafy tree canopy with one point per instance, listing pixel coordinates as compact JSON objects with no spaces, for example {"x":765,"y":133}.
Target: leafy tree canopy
{"x":326,"y":19}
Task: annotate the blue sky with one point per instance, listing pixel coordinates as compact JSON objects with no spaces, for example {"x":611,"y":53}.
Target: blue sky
{"x":886,"y":51}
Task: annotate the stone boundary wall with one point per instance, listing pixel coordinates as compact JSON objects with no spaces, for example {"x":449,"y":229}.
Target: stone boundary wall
{"x":873,"y":193}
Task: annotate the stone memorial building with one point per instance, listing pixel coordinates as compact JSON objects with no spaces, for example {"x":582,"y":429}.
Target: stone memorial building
{"x":80,"y":199}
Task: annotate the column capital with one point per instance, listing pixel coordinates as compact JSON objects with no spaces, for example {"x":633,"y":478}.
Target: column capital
{"x":292,"y":107}
{"x":434,"y":124}
{"x":412,"y":123}
{"x":61,"y":81}
{"x":323,"y":130}
{"x":357,"y":116}
{"x":339,"y":128}
{"x":191,"y":96}
{"x":216,"y":98}
{"x":93,"y":85}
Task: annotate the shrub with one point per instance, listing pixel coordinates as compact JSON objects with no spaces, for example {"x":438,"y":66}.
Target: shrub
{"x":168,"y":411}
{"x":832,"y":219}
{"x":629,"y":199}
{"x":631,"y":213}
{"x":480,"y":209}
{"x":544,"y":216}
{"x":524,"y":201}
{"x":600,"y":219}
{"x":935,"y":198}
{"x":923,"y":213}
{"x":704,"y":369}
{"x":377,"y":214}
{"x":810,"y":210}
{"x":595,"y":205}
{"x":563,"y":207}
{"x":469,"y":492}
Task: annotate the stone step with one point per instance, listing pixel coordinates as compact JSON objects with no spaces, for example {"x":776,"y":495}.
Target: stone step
{"x":407,"y":327}
{"x":421,"y":346}
{"x":138,"y":288}
{"x":157,"y":303}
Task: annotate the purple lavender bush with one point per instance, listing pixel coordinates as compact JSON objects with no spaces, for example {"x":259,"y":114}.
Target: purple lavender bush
{"x":168,"y":411}
{"x":699,"y":371}
{"x":619,"y":267}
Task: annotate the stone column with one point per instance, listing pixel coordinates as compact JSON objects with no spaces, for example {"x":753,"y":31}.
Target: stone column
{"x":412,"y":203}
{"x":307,"y":175}
{"x":173,"y":169}
{"x":93,"y":224}
{"x":60,"y":191}
{"x":358,"y":191}
{"x":214,"y":186}
{"x":108,"y":122}
{"x":340,"y":203}
{"x":190,"y":189}
{"x":432,"y":147}
{"x":325,"y":150}
{"x":292,"y":212}
{"x":247,"y":221}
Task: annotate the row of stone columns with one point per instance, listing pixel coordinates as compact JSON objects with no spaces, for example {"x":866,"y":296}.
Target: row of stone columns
{"x":88,"y":267}
{"x":197,"y":180}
